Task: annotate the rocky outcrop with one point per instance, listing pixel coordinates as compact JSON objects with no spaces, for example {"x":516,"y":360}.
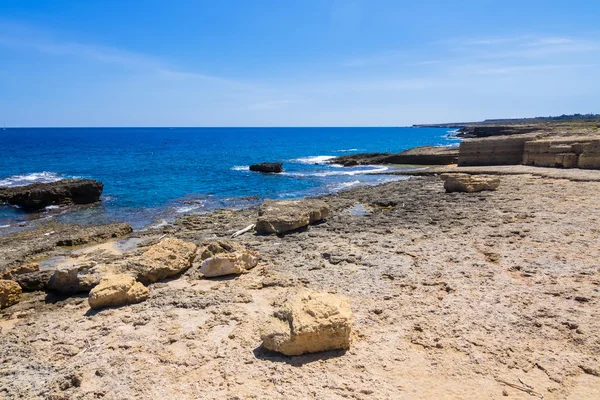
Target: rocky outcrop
{"x":565,"y":152}
{"x":469,"y":183}
{"x":167,"y":258}
{"x":288,"y":215}
{"x":275,"y":167}
{"x":12,"y":272}
{"x":117,"y":290}
{"x":10,"y":293}
{"x":225,"y":258}
{"x":309,"y":322}
{"x":33,"y":281}
{"x":495,"y":130}
{"x":20,"y":247}
{"x":39,"y":195}
{"x":504,"y":150}
{"x":426,"y":155}
{"x":360,"y":159}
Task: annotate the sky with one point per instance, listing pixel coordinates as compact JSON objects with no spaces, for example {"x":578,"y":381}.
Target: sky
{"x":294,"y":63}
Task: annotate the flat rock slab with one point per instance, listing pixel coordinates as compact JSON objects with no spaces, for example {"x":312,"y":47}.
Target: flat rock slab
{"x":288,"y":215}
{"x":469,"y":183}
{"x":309,"y":322}
{"x":40,"y":195}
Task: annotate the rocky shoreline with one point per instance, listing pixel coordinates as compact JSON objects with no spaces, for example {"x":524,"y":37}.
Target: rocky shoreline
{"x":462,"y":282}
{"x":453,"y":295}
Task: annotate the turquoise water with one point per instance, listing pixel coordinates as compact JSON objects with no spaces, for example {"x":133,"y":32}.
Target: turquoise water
{"x":152,"y":174}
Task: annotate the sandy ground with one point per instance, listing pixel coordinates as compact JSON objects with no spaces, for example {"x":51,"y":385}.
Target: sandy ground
{"x":455,"y":296}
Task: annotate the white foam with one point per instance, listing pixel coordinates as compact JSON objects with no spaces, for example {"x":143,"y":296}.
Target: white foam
{"x":185,"y":209}
{"x":346,"y":150}
{"x":27,"y":179}
{"x":338,"y":172}
{"x":52,"y":207}
{"x":313,"y":159}
{"x":346,"y":185}
{"x":240,"y":168}
{"x":4,"y":226}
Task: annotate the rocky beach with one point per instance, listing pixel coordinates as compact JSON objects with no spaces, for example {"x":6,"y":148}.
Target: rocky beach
{"x":482,"y":285}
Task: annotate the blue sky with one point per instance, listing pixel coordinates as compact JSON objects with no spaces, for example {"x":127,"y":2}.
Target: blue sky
{"x":294,"y":63}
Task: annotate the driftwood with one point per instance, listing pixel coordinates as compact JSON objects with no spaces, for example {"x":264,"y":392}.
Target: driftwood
{"x":242,"y":231}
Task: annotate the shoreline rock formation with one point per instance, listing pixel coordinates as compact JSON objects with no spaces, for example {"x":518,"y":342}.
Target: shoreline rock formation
{"x":267,"y":167}
{"x":37,"y":196}
{"x":288,"y":215}
{"x":426,"y":155}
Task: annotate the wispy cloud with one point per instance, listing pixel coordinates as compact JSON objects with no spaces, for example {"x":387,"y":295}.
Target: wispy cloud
{"x":23,"y":38}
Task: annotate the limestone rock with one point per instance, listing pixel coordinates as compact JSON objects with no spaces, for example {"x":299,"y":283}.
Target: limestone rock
{"x":469,"y":183}
{"x":267,"y":167}
{"x":309,"y":322}
{"x":10,"y":293}
{"x":13,"y":272}
{"x":33,"y":281}
{"x":75,"y":279}
{"x":39,"y":195}
{"x":501,"y":150}
{"x":225,"y":257}
{"x":288,"y":215}
{"x":167,"y":258}
{"x":117,"y":290}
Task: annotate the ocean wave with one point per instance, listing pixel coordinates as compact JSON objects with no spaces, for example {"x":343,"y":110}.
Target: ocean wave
{"x":240,"y":168}
{"x":27,"y":179}
{"x":345,"y":185}
{"x":346,"y":150}
{"x":186,"y":209}
{"x":4,"y":226}
{"x":52,"y":207}
{"x":313,"y":159}
{"x":337,"y":173}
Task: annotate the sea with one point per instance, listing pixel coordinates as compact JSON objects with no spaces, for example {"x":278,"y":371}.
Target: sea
{"x":153,"y":175}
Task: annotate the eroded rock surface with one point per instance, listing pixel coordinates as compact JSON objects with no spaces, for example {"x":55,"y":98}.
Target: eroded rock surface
{"x":167,"y":258}
{"x":309,"y":322}
{"x":288,"y":215}
{"x":225,"y":258}
{"x":117,"y":290}
{"x":469,"y":183}
{"x":40,"y":195}
{"x":10,"y":293}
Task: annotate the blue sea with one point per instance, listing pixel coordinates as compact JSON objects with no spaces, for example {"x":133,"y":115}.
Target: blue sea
{"x":152,"y":175}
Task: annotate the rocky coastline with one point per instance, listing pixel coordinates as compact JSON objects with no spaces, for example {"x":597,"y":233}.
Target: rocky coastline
{"x":466,"y":286}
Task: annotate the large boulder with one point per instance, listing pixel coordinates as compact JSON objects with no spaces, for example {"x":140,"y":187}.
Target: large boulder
{"x":309,"y":322}
{"x":287,"y":215}
{"x":469,"y":183}
{"x":10,"y":293}
{"x":225,"y":258}
{"x":39,"y":195}
{"x":117,"y":290}
{"x":73,"y":279}
{"x":33,"y":281}
{"x":167,"y":258}
{"x":275,"y":167}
